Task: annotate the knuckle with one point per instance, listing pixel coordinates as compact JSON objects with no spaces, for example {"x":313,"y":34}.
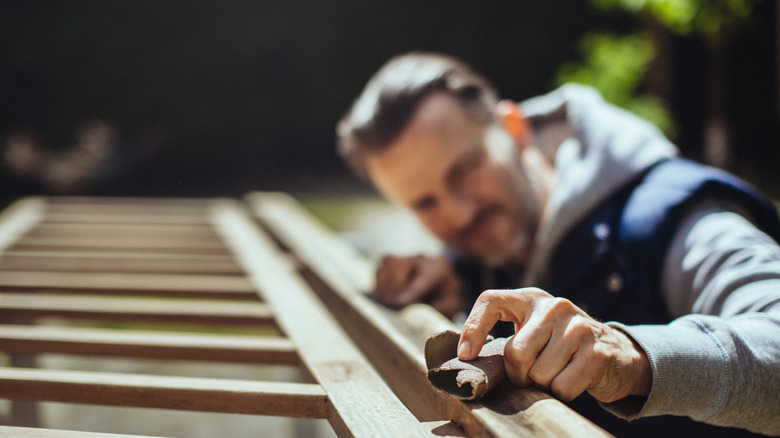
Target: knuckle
{"x":561,"y":306}
{"x":563,"y":390}
{"x":537,"y":375}
{"x":489,"y":295}
{"x":514,"y":357}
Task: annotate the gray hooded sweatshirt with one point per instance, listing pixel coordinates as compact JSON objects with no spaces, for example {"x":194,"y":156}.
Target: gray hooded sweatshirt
{"x":718,"y":362}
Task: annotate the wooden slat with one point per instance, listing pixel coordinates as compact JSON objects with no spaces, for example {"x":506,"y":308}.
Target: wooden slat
{"x":127,"y":243}
{"x":137,"y":309}
{"x":120,"y":201}
{"x":18,"y":219}
{"x":517,"y":412}
{"x":140,"y":207}
{"x":29,"y":432}
{"x":208,"y":286}
{"x":147,"y":344}
{"x":118,"y":262}
{"x":184,"y":393}
{"x":361,"y":404}
{"x":201,"y":231}
{"x":137,"y":218}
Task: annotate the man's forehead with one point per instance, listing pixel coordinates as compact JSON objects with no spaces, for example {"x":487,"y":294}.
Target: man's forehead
{"x":438,"y":137}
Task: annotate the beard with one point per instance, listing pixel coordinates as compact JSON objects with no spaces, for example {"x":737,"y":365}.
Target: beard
{"x":498,"y":248}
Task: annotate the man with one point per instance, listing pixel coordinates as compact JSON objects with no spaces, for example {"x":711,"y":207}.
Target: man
{"x":580,"y":199}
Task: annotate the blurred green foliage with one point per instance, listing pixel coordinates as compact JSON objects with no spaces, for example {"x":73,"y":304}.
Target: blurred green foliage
{"x":616,"y":66}
{"x":712,"y":19}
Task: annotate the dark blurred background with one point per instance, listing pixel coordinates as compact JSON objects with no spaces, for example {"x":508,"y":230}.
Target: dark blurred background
{"x":208,"y":98}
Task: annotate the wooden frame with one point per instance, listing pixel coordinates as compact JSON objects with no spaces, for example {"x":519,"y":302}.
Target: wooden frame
{"x":274,"y":287}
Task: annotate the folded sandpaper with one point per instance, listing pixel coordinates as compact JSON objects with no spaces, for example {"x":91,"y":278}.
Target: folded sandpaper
{"x":466,"y":380}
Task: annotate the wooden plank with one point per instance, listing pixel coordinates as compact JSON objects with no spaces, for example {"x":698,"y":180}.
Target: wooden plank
{"x":352,"y":266}
{"x":517,"y":412}
{"x":183,"y":393}
{"x":147,"y":344}
{"x":197,"y":285}
{"x":23,"y":305}
{"x":136,"y":218}
{"x":126,"y":243}
{"x":18,"y":219}
{"x":140,"y":207}
{"x":29,"y":432}
{"x":201,"y":231}
{"x":119,"y":262}
{"x":108,"y":201}
{"x":361,"y":404}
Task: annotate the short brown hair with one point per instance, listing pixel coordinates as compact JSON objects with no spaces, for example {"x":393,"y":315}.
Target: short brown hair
{"x":391,"y":96}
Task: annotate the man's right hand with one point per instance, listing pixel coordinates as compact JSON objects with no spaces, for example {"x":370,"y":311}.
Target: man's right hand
{"x":401,"y":281}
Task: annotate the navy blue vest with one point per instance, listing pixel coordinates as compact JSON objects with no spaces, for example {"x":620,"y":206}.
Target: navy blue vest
{"x":609,"y":264}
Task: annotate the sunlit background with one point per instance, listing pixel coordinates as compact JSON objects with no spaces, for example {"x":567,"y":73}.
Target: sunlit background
{"x":219,"y":98}
{"x":205,"y":98}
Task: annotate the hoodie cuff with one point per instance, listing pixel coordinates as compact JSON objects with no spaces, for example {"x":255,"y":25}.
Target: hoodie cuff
{"x":687,"y":367}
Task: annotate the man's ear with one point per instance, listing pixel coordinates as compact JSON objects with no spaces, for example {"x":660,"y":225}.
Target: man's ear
{"x":511,"y":117}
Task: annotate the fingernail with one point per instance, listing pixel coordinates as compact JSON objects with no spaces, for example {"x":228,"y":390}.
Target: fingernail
{"x":464,"y":349}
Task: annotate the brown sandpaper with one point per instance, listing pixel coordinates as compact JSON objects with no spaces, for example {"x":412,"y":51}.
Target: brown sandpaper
{"x":466,"y":380}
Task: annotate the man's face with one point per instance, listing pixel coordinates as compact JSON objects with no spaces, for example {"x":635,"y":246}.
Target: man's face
{"x":463,"y":179}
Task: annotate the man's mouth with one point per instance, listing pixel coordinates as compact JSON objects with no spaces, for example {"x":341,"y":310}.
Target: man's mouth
{"x":482,"y":226}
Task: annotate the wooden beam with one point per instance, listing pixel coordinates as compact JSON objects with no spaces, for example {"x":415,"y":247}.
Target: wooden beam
{"x":519,"y":412}
{"x":127,"y":243}
{"x":200,"y":231}
{"x":361,"y":404}
{"x":194,"y":285}
{"x":184,"y":393}
{"x":135,"y":309}
{"x":28,"y":432}
{"x":147,"y":344}
{"x":18,"y":219}
{"x":119,"y":262}
{"x":134,"y":218}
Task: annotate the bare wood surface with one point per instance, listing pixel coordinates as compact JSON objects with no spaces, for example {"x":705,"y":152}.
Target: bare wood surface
{"x":184,"y":393}
{"x":522,"y":411}
{"x":197,"y":285}
{"x":118,"y":262}
{"x":18,"y":219}
{"x":361,"y":404}
{"x":147,"y":344}
{"x":27,"y":432}
{"x":199,"y":231}
{"x":135,"y":218}
{"x":22,"y":305}
{"x":128,"y":243}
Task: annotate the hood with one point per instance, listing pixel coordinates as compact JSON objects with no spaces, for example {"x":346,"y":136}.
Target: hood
{"x":608,"y":148}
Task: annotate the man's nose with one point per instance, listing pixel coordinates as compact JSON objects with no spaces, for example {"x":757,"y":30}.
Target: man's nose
{"x":460,"y":210}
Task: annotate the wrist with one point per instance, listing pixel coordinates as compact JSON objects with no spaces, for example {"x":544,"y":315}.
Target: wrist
{"x":642,"y":370}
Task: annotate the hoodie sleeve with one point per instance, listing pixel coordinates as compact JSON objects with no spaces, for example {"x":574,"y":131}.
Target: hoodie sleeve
{"x":719,"y":361}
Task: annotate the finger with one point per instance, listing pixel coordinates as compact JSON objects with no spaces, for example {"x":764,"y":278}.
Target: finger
{"x":574,"y":379}
{"x":523,"y":350}
{"x":428,"y":276}
{"x":392,"y":276}
{"x":447,"y":297}
{"x":552,"y":359}
{"x":493,"y":306}
{"x":490,"y":307}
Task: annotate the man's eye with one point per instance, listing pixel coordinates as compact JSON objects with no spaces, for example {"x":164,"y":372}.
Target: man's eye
{"x":470,"y":164}
{"x":423,"y":205}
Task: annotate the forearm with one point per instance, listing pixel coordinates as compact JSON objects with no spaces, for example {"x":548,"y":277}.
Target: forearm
{"x":722,"y":371}
{"x":719,"y":362}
